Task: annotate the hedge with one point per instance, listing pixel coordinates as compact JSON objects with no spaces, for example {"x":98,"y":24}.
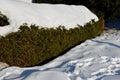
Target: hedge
{"x":31,"y":46}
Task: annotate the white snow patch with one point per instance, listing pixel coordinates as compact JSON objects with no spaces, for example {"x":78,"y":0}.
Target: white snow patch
{"x":29,"y":1}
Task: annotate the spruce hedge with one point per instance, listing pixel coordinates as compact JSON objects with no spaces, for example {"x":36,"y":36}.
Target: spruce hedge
{"x":31,"y":46}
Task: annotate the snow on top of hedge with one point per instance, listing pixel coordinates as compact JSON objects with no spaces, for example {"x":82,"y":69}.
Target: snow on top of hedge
{"x":45,"y":15}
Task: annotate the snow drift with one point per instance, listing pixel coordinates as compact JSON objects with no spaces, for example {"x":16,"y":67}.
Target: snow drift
{"x":45,"y":15}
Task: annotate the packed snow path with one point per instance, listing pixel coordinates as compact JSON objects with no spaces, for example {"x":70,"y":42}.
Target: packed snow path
{"x":95,"y":59}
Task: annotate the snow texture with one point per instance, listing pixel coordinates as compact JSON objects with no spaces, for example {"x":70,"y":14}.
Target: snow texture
{"x":29,"y":1}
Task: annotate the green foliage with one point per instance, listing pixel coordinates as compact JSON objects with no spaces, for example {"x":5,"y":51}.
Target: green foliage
{"x":3,"y":20}
{"x":31,"y":46}
{"x":109,"y":8}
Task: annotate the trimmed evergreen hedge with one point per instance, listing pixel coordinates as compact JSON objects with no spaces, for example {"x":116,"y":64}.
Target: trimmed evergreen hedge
{"x":31,"y":46}
{"x":3,"y":20}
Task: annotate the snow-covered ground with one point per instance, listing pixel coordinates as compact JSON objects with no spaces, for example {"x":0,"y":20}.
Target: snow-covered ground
{"x":95,"y":59}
